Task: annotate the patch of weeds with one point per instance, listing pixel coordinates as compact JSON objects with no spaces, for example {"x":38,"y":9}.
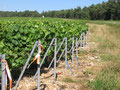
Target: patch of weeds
{"x":110,"y":57}
{"x":118,"y":57}
{"x":113,"y":67}
{"x":107,"y":45}
{"x":107,"y":57}
{"x":83,"y":52}
{"x":98,"y":39}
{"x":93,"y":51}
{"x":87,"y":73}
{"x":108,"y":79}
{"x":70,"y":80}
{"x":103,"y":46}
{"x":105,"y":81}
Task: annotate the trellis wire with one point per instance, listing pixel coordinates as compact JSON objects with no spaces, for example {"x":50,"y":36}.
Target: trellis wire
{"x":20,"y":77}
{"x":84,"y":40}
{"x":44,"y":57}
{"x":56,"y":53}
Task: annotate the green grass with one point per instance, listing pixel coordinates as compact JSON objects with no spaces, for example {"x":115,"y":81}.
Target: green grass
{"x":108,"y":78}
{"x":105,"y":81}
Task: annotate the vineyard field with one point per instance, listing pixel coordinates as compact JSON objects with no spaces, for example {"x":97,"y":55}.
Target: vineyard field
{"x":18,"y":35}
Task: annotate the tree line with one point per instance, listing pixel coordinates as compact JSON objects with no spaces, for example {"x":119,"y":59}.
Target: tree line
{"x":26,"y":13}
{"x":105,"y":11}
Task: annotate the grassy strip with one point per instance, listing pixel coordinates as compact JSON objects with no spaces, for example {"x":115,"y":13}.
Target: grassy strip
{"x":110,"y":23}
{"x":108,"y":45}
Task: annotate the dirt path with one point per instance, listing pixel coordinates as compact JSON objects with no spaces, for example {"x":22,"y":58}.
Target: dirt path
{"x":90,"y":62}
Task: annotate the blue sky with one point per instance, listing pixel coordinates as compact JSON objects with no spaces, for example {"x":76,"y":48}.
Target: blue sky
{"x":44,"y":5}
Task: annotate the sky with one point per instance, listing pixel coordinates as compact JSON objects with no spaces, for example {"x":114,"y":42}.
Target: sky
{"x":44,"y":5}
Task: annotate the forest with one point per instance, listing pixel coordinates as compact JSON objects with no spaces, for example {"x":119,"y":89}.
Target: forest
{"x":105,"y":11}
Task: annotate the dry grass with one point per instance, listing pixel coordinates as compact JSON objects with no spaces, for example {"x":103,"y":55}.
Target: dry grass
{"x":107,"y":37}
{"x":108,"y":40}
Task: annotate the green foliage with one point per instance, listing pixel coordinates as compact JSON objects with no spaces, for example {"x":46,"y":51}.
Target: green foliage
{"x":105,"y":82}
{"x":17,"y":37}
